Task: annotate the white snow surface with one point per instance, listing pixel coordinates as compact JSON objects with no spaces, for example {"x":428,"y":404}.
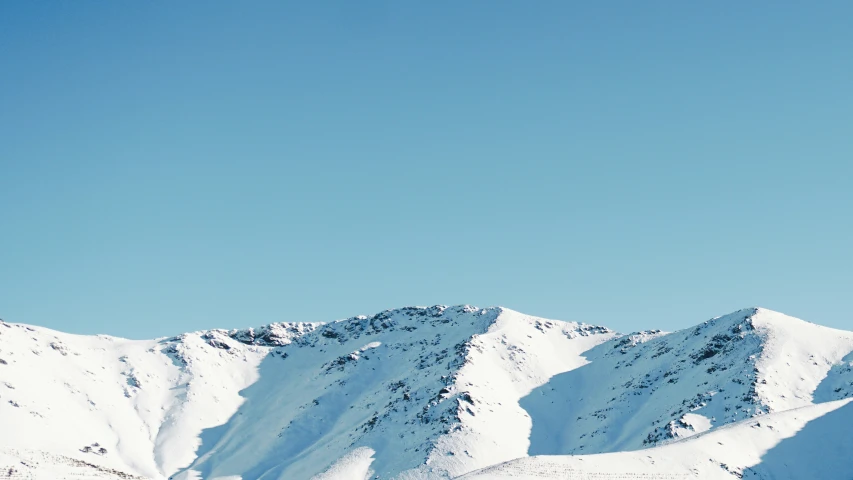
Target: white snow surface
{"x":355,"y":465}
{"x":423,"y":393}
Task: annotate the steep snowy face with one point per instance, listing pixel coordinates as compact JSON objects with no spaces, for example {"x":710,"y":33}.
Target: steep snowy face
{"x":410,"y":385}
{"x":801,"y":362}
{"x":382,"y":381}
{"x":516,"y":354}
{"x":644,"y":389}
{"x":838,"y":383}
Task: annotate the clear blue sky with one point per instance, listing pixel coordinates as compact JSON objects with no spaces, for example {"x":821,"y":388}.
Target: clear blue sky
{"x":173,"y":166}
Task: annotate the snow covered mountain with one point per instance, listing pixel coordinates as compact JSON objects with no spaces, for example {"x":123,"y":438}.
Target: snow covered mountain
{"x":431,"y":393}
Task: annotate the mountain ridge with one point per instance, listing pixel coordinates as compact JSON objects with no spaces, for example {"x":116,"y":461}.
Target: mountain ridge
{"x":459,"y":388}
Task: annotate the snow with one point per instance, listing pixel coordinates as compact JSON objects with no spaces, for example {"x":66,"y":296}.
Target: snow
{"x":517,"y":354}
{"x":423,"y":393}
{"x":440,"y":384}
{"x":353,"y":466}
{"x":145,"y":402}
{"x":693,"y":424}
{"x":776,"y":446}
{"x":796,"y":358}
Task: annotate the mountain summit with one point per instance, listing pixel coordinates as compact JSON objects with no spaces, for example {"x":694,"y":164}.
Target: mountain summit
{"x":429,"y":393}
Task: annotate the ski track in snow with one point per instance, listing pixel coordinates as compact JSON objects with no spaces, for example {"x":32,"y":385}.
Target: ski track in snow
{"x":423,"y":393}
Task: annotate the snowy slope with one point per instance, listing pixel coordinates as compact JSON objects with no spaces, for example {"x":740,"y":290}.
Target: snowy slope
{"x":646,"y":388}
{"x":437,"y":386}
{"x":811,"y":442}
{"x":428,"y":393}
{"x":143,"y":402}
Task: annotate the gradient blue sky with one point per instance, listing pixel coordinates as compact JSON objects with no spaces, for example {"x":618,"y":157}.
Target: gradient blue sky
{"x":173,"y":166}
